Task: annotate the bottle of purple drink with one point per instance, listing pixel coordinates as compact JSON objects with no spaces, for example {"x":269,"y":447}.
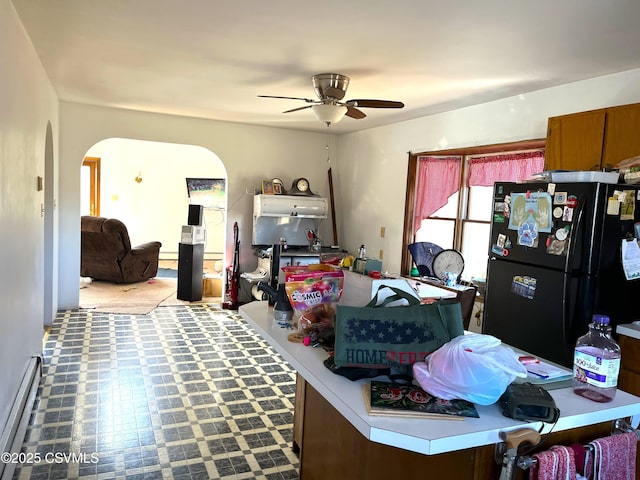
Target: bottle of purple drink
{"x":596,"y":362}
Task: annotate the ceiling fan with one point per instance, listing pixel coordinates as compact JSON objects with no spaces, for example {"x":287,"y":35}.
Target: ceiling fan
{"x":331,"y":89}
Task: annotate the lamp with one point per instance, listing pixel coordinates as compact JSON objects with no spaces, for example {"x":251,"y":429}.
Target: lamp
{"x":329,"y":113}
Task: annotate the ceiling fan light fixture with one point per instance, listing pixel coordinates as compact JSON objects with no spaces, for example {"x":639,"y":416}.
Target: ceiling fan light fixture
{"x":329,"y":114}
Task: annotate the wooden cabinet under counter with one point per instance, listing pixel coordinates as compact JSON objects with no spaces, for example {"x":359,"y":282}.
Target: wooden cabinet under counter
{"x":629,"y":377}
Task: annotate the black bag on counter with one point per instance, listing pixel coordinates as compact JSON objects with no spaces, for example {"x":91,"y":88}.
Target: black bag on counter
{"x":377,"y":337}
{"x":525,"y":401}
{"x":355,"y":373}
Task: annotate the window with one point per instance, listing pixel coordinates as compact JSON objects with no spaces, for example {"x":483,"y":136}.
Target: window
{"x":450,"y":197}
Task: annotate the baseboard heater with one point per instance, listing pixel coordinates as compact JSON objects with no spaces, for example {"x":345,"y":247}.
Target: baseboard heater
{"x":16,"y":427}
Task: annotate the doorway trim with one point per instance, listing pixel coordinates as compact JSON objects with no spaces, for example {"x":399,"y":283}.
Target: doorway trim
{"x":94,"y":184}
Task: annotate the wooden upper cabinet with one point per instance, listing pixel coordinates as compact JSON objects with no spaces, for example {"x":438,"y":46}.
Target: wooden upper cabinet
{"x":574,"y":142}
{"x":593,"y":140}
{"x":622,"y":139}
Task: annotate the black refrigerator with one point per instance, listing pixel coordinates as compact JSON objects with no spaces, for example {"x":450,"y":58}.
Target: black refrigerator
{"x":555,"y":260}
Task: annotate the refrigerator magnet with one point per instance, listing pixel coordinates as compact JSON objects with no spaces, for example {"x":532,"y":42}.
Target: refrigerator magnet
{"x":507,"y":243}
{"x":557,"y":212}
{"x":523,"y":286}
{"x":498,"y":250}
{"x":613,"y":206}
{"x":560,"y":198}
{"x":556,"y":247}
{"x":562,"y":233}
{"x":528,"y":234}
{"x":628,"y":207}
{"x":551,"y":188}
{"x":567,"y":214}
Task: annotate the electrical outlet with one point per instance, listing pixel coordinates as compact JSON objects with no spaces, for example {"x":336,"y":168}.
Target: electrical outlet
{"x":382,"y":229}
{"x":381,"y":253}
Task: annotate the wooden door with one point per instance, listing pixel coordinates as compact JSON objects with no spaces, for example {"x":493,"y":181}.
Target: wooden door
{"x":574,"y":142}
{"x":90,"y":186}
{"x":622,"y":134}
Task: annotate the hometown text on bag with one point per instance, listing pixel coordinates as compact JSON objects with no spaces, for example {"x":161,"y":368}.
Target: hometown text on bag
{"x":380,"y":357}
{"x":377,"y":337}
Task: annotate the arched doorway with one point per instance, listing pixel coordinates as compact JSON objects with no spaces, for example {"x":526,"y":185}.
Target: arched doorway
{"x":143,"y":184}
{"x":50,"y":248}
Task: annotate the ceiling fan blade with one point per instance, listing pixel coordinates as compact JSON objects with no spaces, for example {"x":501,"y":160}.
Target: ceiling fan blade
{"x":296,"y":109}
{"x":353,"y":112}
{"x":308,"y":100}
{"x":365,"y":103}
{"x":333,"y":92}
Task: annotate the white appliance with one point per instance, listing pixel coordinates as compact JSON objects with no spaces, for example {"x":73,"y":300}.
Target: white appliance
{"x":289,"y":206}
{"x":286,"y":216}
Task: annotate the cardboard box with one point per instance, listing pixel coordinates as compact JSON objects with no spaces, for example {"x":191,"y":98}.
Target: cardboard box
{"x":212,"y":286}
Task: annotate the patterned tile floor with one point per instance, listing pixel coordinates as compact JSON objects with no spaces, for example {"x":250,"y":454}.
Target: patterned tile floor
{"x":185,"y":392}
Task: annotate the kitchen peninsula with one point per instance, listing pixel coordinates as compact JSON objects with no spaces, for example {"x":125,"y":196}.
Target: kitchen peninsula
{"x":338,"y":439}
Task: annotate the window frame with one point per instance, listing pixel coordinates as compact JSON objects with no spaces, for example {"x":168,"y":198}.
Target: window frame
{"x":411,"y":188}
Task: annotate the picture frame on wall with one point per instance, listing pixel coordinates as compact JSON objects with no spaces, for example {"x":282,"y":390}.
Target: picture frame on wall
{"x":267,"y":187}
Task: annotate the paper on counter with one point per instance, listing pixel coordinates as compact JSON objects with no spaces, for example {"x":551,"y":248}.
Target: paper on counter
{"x":547,"y":371}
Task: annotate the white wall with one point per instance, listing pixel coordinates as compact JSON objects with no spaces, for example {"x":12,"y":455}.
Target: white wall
{"x":155,"y":208}
{"x":372,"y":164}
{"x":369,"y":167}
{"x":249,"y":154}
{"x":28,"y":108}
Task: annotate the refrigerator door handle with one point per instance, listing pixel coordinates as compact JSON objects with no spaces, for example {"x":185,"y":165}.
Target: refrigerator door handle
{"x":567,"y":322}
{"x":578,"y":220}
{"x":575,"y":225}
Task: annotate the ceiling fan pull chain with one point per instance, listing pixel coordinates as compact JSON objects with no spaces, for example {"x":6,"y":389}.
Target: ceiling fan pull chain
{"x":327,"y":147}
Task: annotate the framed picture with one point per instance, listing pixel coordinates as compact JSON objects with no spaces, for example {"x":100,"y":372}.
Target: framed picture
{"x":267,"y":187}
{"x":277,"y":189}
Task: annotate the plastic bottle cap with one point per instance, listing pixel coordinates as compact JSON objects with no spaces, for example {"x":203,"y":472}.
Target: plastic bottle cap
{"x":601,"y":319}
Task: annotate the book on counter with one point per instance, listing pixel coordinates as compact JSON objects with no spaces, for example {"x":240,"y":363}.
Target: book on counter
{"x":386,"y":398}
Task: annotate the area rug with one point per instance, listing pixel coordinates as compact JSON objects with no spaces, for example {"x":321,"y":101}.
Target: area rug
{"x":128,"y":298}
{"x":133,"y":298}
{"x":167,"y":273}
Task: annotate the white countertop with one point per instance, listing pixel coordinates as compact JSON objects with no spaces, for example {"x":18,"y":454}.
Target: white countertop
{"x":629,"y":329}
{"x":427,"y":436}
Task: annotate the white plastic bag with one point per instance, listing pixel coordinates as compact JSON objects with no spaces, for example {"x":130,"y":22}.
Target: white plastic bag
{"x":473,"y":367}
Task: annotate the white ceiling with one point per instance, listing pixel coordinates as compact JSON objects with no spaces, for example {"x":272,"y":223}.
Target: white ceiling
{"x":211,"y":58}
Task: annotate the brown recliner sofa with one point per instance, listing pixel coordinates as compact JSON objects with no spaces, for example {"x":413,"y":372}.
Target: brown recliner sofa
{"x":107,"y":254}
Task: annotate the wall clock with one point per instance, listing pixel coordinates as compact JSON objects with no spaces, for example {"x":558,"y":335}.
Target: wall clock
{"x":448,"y":261}
{"x":300,"y":186}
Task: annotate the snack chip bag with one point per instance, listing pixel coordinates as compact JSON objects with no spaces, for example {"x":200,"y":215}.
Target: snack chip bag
{"x":314,"y":298}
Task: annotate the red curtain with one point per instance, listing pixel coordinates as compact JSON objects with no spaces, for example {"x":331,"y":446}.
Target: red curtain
{"x":438,"y":179}
{"x":513,"y":167}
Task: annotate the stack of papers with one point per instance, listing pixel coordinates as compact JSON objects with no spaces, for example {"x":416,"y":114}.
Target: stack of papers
{"x":542,"y":371}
